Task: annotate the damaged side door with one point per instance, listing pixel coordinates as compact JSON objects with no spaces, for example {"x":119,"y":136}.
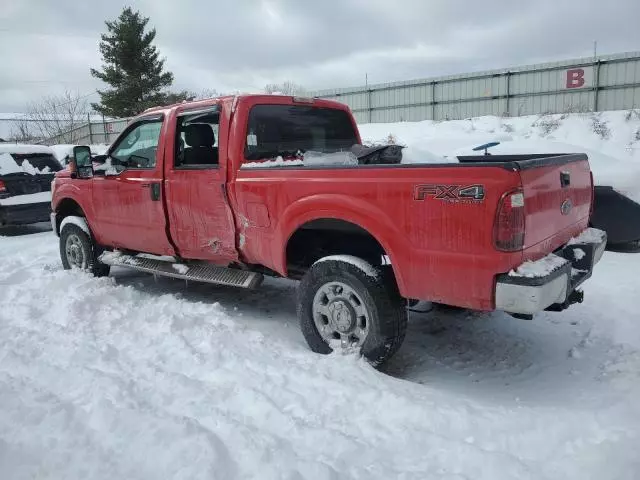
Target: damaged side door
{"x":200,"y":220}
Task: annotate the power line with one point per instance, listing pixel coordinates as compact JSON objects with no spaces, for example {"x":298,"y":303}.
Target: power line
{"x":50,"y":81}
{"x":60,"y":33}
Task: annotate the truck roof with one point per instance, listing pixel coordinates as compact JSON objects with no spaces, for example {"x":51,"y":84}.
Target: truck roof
{"x":258,"y":96}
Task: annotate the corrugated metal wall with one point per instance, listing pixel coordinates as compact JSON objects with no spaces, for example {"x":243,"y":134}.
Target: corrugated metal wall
{"x":608,"y":83}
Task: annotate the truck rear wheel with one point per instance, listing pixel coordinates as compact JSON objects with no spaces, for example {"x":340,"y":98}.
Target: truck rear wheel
{"x":78,"y":250}
{"x":344,"y":303}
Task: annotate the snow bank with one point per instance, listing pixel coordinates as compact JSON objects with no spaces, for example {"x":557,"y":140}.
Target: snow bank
{"x":610,"y":139}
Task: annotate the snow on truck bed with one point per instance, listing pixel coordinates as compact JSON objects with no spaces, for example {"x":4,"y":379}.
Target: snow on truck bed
{"x":133,"y":377}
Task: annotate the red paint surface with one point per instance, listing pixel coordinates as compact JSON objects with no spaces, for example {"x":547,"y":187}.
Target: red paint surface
{"x":439,"y":250}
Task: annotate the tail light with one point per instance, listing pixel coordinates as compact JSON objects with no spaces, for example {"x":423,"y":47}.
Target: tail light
{"x":3,"y":187}
{"x":508,"y":231}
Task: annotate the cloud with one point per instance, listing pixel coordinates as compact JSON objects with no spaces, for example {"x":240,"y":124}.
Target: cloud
{"x":48,"y":46}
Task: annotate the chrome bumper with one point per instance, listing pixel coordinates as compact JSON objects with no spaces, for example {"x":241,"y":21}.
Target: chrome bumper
{"x":554,"y":290}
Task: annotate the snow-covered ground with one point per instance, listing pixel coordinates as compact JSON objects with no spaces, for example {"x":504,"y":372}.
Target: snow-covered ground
{"x":128,"y":377}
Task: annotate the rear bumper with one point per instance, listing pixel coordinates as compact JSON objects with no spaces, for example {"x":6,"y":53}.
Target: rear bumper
{"x":25,"y":213}
{"x":556,"y":289}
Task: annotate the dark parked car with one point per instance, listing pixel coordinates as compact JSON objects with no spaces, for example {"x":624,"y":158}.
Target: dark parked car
{"x":26,"y":172}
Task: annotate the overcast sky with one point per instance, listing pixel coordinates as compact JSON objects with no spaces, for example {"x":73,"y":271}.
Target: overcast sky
{"x":228,"y":45}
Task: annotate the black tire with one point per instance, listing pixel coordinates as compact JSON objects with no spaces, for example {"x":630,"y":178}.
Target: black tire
{"x":86,"y":250}
{"x":386,"y":309}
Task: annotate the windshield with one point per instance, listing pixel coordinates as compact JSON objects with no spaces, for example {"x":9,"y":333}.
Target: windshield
{"x":291,"y":130}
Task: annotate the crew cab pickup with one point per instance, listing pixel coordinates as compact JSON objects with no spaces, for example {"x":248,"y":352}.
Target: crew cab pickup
{"x":229,"y":190}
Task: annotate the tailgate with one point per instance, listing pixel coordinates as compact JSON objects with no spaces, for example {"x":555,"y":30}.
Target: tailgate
{"x":558,"y":196}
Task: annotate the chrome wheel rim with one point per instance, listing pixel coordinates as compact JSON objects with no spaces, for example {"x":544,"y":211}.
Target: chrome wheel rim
{"x":340,"y":315}
{"x":75,"y":252}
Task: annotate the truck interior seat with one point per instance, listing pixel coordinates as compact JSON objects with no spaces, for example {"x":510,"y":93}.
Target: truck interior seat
{"x":200,"y":140}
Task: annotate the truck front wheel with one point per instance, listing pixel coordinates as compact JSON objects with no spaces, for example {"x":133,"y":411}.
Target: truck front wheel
{"x":345,"y":303}
{"x":78,"y":250}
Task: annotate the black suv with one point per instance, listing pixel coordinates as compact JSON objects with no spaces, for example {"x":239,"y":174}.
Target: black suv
{"x":26,"y":172}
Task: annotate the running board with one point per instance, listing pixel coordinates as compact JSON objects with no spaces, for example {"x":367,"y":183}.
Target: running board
{"x":200,"y":272}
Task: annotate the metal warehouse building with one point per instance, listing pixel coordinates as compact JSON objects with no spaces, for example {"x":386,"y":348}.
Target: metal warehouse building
{"x":605,"y":83}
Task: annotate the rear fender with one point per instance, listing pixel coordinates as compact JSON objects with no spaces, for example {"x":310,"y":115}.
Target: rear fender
{"x":340,"y":207}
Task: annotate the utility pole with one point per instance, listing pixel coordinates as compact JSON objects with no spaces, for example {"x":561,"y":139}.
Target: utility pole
{"x":368,"y":93}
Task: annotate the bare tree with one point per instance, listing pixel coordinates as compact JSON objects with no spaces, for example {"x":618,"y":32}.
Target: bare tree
{"x":55,"y":117}
{"x":207,"y":93}
{"x":20,"y":131}
{"x":285,"y":88}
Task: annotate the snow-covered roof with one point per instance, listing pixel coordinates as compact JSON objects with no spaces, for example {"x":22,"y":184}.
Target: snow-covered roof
{"x":24,"y":148}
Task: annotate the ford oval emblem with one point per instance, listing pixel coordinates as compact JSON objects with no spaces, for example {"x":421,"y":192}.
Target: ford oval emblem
{"x":566,"y":207}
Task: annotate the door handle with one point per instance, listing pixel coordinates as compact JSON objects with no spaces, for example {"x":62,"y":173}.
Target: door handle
{"x":155,"y":190}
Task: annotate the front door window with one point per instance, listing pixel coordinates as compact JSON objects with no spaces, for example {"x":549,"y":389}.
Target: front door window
{"x":138,"y":148}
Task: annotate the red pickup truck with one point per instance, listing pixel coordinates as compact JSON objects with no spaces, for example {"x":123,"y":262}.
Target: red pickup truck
{"x":229,"y":190}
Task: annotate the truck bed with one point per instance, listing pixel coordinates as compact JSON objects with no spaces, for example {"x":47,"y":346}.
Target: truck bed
{"x":431,"y":220}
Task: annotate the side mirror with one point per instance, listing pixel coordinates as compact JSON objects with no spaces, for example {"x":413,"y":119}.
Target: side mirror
{"x":82,"y":160}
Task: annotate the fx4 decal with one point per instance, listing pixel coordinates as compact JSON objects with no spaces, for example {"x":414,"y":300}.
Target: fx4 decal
{"x":450,"y":193}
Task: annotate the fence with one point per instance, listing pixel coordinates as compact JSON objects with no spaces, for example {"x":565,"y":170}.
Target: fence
{"x":103,"y":131}
{"x":604,"y":83}
{"x":18,"y":128}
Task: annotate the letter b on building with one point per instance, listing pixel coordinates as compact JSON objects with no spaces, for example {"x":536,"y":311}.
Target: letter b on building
{"x":575,"y":78}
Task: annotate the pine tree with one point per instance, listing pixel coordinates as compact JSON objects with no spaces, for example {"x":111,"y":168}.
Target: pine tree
{"x":132,"y":67}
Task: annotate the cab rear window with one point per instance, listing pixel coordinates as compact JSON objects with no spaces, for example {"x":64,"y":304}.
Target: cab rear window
{"x":291,"y":130}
